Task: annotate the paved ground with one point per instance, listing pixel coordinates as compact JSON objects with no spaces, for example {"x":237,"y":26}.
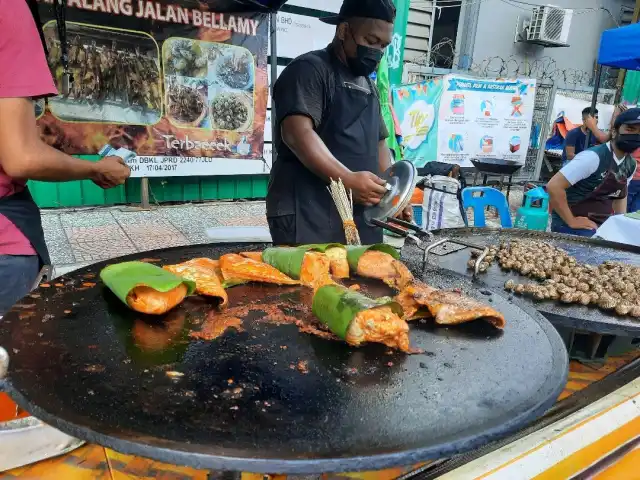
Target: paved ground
{"x":82,"y":236}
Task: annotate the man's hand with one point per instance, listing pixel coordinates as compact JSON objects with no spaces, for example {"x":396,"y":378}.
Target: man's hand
{"x":591,"y":123}
{"x":367,"y":188}
{"x":110,"y":172}
{"x":406,"y":214}
{"x":582,"y":223}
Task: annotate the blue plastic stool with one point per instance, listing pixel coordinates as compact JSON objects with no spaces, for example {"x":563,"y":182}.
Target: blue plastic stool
{"x":488,"y":197}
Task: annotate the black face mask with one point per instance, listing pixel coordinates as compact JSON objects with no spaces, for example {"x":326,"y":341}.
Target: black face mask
{"x":366,"y":60}
{"x":628,"y":142}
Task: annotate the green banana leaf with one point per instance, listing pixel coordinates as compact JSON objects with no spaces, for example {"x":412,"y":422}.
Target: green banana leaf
{"x":233,"y":282}
{"x":355,"y":252}
{"x":121,"y":278}
{"x":320,"y":247}
{"x":336,"y":307}
{"x":289,"y":259}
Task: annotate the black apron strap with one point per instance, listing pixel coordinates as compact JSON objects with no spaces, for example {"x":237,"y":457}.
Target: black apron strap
{"x":23,"y":212}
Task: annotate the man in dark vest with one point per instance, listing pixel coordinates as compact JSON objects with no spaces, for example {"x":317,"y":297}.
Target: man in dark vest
{"x":594,"y":184}
{"x":25,"y":75}
{"x":329,"y":126}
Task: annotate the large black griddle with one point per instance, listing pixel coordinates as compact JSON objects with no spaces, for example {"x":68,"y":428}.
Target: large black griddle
{"x":587,"y":250}
{"x":75,"y":364}
{"x":498,"y":166}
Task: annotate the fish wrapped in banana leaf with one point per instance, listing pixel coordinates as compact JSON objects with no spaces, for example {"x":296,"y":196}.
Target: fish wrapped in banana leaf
{"x":146,"y":288}
{"x":381,"y":262}
{"x":305,"y":263}
{"x":235,"y":268}
{"x":207,"y":275}
{"x":358,"y":319}
{"x":337,"y":255}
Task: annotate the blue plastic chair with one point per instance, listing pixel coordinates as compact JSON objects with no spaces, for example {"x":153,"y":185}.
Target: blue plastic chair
{"x":479,"y":198}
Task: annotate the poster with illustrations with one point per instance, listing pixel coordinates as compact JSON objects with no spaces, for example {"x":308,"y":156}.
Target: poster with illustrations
{"x":177,"y":83}
{"x":484,"y":118}
{"x":416,"y":106}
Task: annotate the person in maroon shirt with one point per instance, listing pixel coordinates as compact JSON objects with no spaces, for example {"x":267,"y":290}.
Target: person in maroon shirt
{"x":25,"y":76}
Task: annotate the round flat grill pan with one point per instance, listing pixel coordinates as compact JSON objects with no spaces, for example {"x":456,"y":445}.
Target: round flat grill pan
{"x":585,"y":250}
{"x":270,"y":398}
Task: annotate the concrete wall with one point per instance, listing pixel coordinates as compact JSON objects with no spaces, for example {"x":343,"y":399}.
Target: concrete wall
{"x":496,"y":22}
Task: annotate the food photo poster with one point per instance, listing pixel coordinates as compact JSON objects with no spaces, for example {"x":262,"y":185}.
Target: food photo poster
{"x":176,"y":80}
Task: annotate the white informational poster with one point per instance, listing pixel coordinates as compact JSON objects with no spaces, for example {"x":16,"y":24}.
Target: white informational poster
{"x":156,"y":166}
{"x":298,"y":34}
{"x":267,"y":128}
{"x":268,"y":154}
{"x":332,"y":6}
{"x":484,"y":118}
{"x":280,"y":69}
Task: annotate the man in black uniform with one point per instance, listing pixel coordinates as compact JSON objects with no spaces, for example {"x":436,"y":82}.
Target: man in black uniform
{"x":329,"y":126}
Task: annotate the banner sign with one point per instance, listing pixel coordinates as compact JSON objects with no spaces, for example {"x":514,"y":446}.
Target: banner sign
{"x":161,"y":79}
{"x":298,"y":34}
{"x":417,"y":109}
{"x":485,"y":119}
{"x":466,"y":118}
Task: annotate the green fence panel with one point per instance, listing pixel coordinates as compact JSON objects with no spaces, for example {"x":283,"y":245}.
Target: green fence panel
{"x":227,"y":188}
{"x":209,"y":188}
{"x":191,"y":189}
{"x":171,"y":189}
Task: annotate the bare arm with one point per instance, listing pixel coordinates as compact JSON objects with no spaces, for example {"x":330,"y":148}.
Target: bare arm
{"x":620,"y":206}
{"x":592,"y":124}
{"x":571,"y":152}
{"x":557,"y":189}
{"x":24,"y":156}
{"x":384,"y":156}
{"x":602,"y":137}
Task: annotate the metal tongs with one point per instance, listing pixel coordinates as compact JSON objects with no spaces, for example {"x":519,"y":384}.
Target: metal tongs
{"x":402,"y":228}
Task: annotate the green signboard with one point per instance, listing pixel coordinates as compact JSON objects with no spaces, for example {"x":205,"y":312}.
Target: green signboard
{"x":395,"y":52}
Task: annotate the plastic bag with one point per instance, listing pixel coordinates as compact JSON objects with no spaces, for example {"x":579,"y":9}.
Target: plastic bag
{"x":442,"y":203}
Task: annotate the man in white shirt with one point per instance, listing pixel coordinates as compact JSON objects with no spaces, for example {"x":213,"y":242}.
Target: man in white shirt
{"x":594,"y":184}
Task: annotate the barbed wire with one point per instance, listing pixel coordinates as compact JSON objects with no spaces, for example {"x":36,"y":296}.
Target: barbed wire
{"x":544,"y":69}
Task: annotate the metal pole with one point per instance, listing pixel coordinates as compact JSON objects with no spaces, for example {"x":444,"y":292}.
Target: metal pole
{"x":623,"y":73}
{"x":273,"y":20}
{"x":544,"y":131}
{"x":594,"y":99}
{"x":144,"y":194}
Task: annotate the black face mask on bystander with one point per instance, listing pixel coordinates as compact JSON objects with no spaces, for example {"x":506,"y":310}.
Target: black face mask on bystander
{"x":628,"y":142}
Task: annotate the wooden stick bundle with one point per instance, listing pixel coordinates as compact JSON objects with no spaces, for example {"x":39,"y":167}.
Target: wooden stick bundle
{"x":344,"y":204}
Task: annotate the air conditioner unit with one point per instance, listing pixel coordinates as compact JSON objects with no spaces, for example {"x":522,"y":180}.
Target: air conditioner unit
{"x":549,"y":26}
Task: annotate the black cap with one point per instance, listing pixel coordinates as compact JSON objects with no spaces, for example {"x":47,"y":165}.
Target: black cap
{"x":376,"y":9}
{"x":629,"y":117}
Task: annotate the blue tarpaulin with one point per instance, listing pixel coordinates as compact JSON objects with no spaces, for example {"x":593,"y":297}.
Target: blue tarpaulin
{"x":620,"y":47}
